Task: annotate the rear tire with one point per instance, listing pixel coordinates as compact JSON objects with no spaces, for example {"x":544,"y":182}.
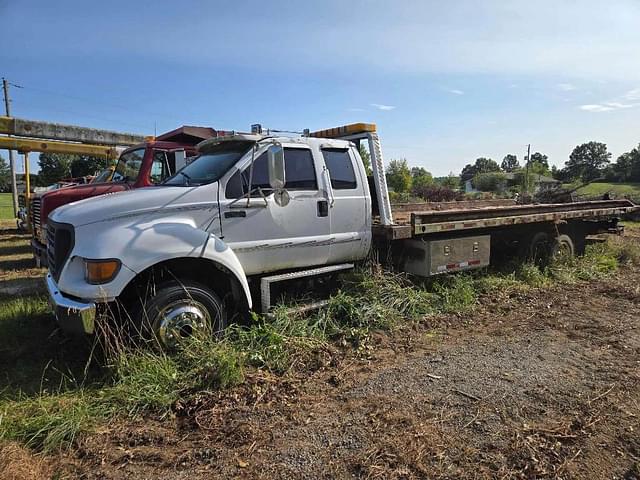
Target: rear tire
{"x":537,"y":249}
{"x":180,"y":310}
{"x":563,"y":247}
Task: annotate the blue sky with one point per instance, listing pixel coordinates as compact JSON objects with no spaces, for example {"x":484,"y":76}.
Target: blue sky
{"x":446,"y":82}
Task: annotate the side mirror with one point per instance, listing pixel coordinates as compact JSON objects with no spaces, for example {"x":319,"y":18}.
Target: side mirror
{"x":275,"y":157}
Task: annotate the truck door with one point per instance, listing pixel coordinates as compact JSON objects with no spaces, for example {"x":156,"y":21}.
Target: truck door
{"x":349,"y":213}
{"x":266,"y":236}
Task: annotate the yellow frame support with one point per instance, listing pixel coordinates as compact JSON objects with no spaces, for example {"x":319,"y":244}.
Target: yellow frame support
{"x":27,"y":189}
{"x":23,"y":145}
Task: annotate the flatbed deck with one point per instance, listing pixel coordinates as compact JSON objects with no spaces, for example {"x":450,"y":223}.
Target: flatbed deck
{"x":426,"y":221}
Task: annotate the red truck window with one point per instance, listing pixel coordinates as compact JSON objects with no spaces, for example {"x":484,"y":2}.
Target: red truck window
{"x":164,"y":165}
{"x":128,"y":166}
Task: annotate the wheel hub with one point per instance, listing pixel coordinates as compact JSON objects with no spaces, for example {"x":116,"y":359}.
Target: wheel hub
{"x":182,"y":320}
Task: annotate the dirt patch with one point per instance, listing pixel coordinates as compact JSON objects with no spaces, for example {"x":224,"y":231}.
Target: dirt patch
{"x":544,"y":384}
{"x":18,"y":463}
{"x":18,"y":275}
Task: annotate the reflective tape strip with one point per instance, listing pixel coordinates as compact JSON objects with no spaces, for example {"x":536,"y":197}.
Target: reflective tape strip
{"x":453,"y":266}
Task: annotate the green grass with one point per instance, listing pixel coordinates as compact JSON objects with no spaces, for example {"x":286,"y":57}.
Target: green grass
{"x":618,"y":189}
{"x":49,"y":395}
{"x":6,"y":207}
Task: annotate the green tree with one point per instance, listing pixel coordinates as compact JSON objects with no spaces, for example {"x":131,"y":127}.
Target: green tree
{"x":588,"y":161}
{"x":538,"y":157}
{"x":510,"y":163}
{"x":420,"y":177}
{"x":486,"y":165}
{"x":366,"y":159}
{"x":399,"y":175}
{"x":83,"y":165}
{"x":450,"y":181}
{"x":54,"y":167}
{"x":5,"y":176}
{"x":538,"y":164}
{"x":481,"y":165}
{"x":627,"y":167}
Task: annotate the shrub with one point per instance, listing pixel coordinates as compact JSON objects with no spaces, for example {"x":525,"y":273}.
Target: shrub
{"x":436,"y":193}
{"x":490,"y":182}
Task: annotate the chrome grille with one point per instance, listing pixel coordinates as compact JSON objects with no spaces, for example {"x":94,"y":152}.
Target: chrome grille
{"x":51,"y":257}
{"x":35,"y":214}
{"x":60,"y":240}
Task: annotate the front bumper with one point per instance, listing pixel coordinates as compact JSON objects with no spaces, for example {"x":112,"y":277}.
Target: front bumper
{"x":73,"y":316}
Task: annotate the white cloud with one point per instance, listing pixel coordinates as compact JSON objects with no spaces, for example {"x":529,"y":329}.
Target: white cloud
{"x":606,"y":106}
{"x":380,"y":106}
{"x":455,"y":91}
{"x":595,"y":108}
{"x":618,"y":103}
{"x":566,"y":87}
{"x":632,"y":94}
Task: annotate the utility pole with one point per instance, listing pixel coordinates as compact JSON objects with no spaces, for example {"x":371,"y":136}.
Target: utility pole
{"x":526,"y":170}
{"x":12,"y":165}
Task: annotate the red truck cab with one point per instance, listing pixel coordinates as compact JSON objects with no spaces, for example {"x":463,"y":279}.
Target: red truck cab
{"x":142,"y":165}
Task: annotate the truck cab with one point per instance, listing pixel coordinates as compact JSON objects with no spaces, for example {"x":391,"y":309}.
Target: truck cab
{"x":139,"y":166}
{"x":248,"y":206}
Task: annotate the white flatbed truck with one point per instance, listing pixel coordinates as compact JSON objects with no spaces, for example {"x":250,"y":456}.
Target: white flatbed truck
{"x":258,"y":209}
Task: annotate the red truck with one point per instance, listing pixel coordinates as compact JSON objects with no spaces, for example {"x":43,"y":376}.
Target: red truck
{"x":142,"y":165}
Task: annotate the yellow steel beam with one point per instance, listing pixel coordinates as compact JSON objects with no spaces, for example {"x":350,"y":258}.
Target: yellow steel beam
{"x":7,"y":125}
{"x":28,"y":145}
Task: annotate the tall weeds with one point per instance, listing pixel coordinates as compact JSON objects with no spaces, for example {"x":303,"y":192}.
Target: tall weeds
{"x":138,"y":381}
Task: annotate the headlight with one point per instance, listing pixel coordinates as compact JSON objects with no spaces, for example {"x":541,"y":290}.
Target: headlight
{"x":97,"y":272}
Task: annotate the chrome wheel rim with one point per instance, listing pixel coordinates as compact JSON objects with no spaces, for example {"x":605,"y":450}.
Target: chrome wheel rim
{"x":181,"y":320}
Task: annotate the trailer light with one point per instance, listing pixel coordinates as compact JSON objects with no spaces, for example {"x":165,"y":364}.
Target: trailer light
{"x":98,"y":272}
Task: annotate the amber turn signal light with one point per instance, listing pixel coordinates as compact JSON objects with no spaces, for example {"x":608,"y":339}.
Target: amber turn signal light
{"x":101,"y":271}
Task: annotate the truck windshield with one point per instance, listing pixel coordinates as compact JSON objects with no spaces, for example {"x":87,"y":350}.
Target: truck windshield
{"x":209,"y":166}
{"x":128,"y":166}
{"x":103,"y":176}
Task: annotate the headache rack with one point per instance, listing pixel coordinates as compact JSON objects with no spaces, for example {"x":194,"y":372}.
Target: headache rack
{"x":358,"y":132}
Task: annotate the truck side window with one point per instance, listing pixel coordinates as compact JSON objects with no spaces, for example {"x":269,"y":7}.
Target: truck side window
{"x":238,"y":184}
{"x":163,"y":166}
{"x":340,"y":168}
{"x":299,"y":168}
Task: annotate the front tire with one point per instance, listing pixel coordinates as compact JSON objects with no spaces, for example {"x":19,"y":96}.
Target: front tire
{"x":181,"y":310}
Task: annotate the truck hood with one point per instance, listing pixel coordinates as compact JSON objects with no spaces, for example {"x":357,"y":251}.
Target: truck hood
{"x":56,"y":198}
{"x":132,"y":204}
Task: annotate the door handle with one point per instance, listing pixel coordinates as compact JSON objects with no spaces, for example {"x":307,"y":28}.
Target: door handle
{"x":235,"y":214}
{"x":323,"y":208}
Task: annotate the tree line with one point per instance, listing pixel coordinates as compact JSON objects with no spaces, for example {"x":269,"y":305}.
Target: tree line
{"x":55,"y":167}
{"x":587,"y":162}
